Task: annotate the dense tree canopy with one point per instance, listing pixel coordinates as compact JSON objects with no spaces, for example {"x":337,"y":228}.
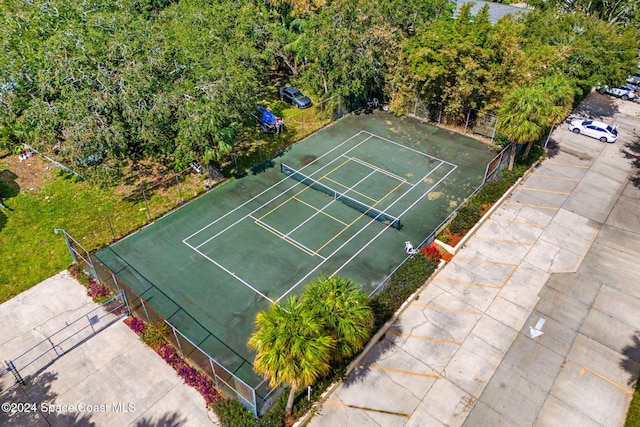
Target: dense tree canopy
{"x":176,"y":80}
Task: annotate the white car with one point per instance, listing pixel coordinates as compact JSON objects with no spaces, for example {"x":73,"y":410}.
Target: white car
{"x":594,"y":129}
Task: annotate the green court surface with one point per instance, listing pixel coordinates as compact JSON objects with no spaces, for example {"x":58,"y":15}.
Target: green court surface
{"x":210,"y":266}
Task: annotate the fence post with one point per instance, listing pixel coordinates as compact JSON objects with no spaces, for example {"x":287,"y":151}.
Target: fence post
{"x":179,"y":191}
{"x":495,"y":127}
{"x":466,"y":125}
{"x":440,"y":115}
{"x":146,"y":203}
{"x":113,"y":233}
{"x":415,"y":107}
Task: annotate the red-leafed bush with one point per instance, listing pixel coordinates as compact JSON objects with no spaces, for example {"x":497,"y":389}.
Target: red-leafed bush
{"x":136,"y":325}
{"x":431,"y":252}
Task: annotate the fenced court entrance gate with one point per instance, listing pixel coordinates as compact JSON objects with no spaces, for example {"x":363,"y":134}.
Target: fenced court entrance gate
{"x":48,"y":350}
{"x":209,"y":267}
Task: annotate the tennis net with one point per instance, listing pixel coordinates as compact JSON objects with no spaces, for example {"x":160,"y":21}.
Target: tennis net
{"x":374,"y":213}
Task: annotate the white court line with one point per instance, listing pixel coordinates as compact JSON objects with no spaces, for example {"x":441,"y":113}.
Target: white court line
{"x":411,"y":149}
{"x":368,"y":224}
{"x":232,"y":274}
{"x":374,"y":167}
{"x":330,"y":203}
{"x":405,"y":211}
{"x":273,"y":186}
{"x":285,"y":236}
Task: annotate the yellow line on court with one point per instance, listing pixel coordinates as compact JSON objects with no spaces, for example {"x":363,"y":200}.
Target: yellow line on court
{"x":555,"y":177}
{"x":564,"y":193}
{"x":291,"y":242}
{"x":585,"y":369}
{"x":400,"y":371}
{"x":460,"y":282}
{"x":566,"y":164}
{"x":420,"y":337}
{"x":351,"y":190}
{"x":456,"y":310}
{"x":532,"y":206}
{"x":487,"y":261}
{"x":322,"y":212}
{"x":382,"y":411}
{"x":486,"y":239}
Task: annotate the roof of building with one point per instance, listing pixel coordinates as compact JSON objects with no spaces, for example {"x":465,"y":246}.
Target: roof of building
{"x":496,"y":10}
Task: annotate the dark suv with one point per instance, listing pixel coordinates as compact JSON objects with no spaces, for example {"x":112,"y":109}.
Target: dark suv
{"x":295,"y":97}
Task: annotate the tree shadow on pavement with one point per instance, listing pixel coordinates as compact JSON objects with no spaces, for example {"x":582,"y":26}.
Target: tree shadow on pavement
{"x":386,"y":343}
{"x":596,"y":105}
{"x":631,"y":151}
{"x":33,"y":405}
{"x":631,"y":363}
{"x":167,"y":420}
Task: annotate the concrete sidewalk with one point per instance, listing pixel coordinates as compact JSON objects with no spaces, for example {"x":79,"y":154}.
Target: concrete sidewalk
{"x":111,"y":379}
{"x":560,"y":255}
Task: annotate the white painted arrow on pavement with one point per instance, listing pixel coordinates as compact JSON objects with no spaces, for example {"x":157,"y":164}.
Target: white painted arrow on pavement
{"x":537,"y":330}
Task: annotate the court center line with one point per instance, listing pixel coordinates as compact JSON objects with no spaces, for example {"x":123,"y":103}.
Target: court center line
{"x":328,"y":204}
{"x":278,"y":183}
{"x":232,"y":274}
{"x":374,"y":167}
{"x":401,"y":214}
{"x":323,"y":212}
{"x":286,"y":238}
{"x":401,"y":371}
{"x":352,"y":190}
{"x":382,"y":411}
{"x":360,"y":231}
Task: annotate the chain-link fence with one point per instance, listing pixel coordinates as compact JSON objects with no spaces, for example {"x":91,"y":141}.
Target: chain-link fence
{"x":257,"y":398}
{"x":493,"y":167}
{"x":72,"y":334}
{"x":475,"y":121}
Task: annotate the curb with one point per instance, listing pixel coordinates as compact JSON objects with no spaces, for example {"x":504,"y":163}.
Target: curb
{"x":377,"y":337}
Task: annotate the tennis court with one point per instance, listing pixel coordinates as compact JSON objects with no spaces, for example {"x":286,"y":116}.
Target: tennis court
{"x":343,"y":202}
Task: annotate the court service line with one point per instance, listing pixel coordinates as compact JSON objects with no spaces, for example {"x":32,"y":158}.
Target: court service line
{"x":362,"y":229}
{"x":352,"y":190}
{"x":409,"y":148}
{"x":286,"y":238}
{"x":376,"y":168}
{"x":402,"y":371}
{"x":328,"y":204}
{"x":229,"y":272}
{"x":381,"y":411}
{"x":403,"y":212}
{"x":278,"y":183}
{"x":324,"y":213}
{"x":362,"y":215}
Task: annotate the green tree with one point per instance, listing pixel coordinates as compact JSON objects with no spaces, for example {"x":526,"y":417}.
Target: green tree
{"x":524,"y":117}
{"x":345,"y":311}
{"x":291,"y":347}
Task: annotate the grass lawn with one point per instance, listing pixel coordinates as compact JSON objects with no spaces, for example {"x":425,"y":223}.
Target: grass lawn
{"x":39,"y":198}
{"x":633,"y":416}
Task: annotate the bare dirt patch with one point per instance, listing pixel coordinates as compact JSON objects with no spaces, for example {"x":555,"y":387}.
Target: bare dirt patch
{"x":29,"y":175}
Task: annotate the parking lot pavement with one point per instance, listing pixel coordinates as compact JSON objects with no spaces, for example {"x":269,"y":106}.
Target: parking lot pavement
{"x":558,"y":257}
{"x":111,"y":379}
